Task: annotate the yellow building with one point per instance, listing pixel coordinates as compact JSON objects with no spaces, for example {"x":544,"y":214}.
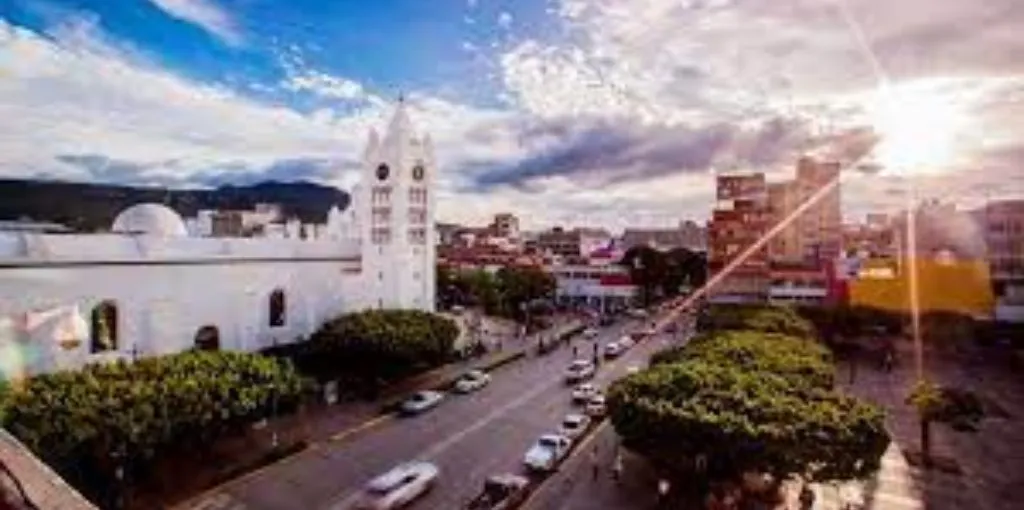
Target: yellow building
{"x":944,"y":285}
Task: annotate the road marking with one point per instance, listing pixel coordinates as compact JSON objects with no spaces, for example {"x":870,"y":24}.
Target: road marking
{"x":339,"y":436}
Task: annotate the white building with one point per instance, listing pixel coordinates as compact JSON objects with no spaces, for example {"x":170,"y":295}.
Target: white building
{"x":149,"y":288}
{"x":604,"y":287}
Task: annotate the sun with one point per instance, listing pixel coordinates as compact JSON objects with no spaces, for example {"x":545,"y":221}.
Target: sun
{"x":918,"y":129}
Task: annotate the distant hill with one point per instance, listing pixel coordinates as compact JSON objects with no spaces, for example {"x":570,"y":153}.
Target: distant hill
{"x":92,"y":207}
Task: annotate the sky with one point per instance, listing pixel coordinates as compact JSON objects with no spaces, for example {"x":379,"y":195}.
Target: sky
{"x":574,"y":112}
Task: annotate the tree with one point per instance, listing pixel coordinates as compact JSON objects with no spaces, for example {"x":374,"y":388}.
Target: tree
{"x":76,"y":421}
{"x":734,"y":402}
{"x":520,"y":287}
{"x":376,"y":346}
{"x":764,"y":318}
{"x":962,"y":409}
{"x":683,"y":268}
{"x":646,"y":267}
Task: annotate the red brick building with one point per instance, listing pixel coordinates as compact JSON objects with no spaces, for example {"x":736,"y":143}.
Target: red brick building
{"x":741,"y":219}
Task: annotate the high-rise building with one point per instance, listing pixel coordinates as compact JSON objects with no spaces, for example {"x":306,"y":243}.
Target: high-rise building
{"x":506,"y":225}
{"x":740,"y":220}
{"x":815,"y":235}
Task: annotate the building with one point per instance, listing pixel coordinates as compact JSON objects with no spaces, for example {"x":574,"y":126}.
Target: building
{"x":506,"y":225}
{"x":606,"y":287}
{"x":815,"y":234}
{"x":740,"y":219}
{"x":687,"y":235}
{"x":571,"y":243}
{"x":1002,"y":224}
{"x":149,"y":288}
{"x":873,"y":238}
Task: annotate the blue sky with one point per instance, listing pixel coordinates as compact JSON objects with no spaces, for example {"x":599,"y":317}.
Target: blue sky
{"x":597,"y":112}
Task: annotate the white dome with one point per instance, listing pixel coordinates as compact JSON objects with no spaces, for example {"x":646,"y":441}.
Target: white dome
{"x":150,"y":219}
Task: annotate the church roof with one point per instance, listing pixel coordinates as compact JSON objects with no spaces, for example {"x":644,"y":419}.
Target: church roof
{"x":150,"y":219}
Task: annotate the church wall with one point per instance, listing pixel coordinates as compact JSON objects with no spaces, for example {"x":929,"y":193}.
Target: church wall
{"x":161,"y":307}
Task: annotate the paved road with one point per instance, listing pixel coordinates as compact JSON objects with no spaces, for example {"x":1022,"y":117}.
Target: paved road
{"x":468,"y":437}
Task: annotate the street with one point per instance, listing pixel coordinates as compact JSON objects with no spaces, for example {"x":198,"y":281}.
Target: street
{"x":469,"y":437}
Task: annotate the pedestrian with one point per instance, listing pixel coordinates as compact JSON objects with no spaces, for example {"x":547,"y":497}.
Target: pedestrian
{"x":617,"y":468}
{"x":574,"y":352}
{"x":594,"y":463}
{"x":663,"y":487}
{"x":806,"y":498}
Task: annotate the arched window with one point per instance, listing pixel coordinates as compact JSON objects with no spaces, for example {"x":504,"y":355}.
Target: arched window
{"x":208,"y":338}
{"x":103,"y":327}
{"x":277,"y":308}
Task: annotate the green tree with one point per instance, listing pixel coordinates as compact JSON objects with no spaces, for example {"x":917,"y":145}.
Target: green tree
{"x":764,"y":318}
{"x":647,"y":269}
{"x":376,"y":346}
{"x":76,"y":420}
{"x":962,"y":409}
{"x":520,"y":287}
{"x":683,"y":268}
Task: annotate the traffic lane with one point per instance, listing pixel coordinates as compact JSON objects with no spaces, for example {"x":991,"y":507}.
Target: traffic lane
{"x":354,"y":463}
{"x":499,"y":445}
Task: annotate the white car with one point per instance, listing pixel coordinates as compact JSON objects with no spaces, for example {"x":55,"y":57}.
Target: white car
{"x":627,"y":342}
{"x":398,"y":487}
{"x":584,"y":392}
{"x":613,"y":349}
{"x":472,"y":381}
{"x":596,"y":406}
{"x":579,"y":370}
{"x":590,"y":333}
{"x":547,"y":452}
{"x":574,"y":425}
{"x":421,"y":401}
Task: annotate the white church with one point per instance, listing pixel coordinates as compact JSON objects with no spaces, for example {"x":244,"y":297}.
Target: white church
{"x":150,"y":288}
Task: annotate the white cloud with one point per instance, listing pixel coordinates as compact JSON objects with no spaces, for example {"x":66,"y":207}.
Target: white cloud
{"x":505,"y":20}
{"x":324,"y":85}
{"x":206,"y":14}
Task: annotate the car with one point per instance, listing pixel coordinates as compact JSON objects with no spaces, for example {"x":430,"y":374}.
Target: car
{"x":472,"y":381}
{"x":638,"y":313}
{"x":627,"y":342}
{"x":421,"y":401}
{"x":399,"y":486}
{"x":547,"y":452}
{"x":574,"y":425}
{"x":596,"y":406}
{"x":613,"y":349}
{"x":579,"y":370}
{"x":501,"y":492}
{"x":590,"y":333}
{"x":583,"y":392}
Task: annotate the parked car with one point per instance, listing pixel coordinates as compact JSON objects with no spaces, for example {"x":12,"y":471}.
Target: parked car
{"x":398,"y":487}
{"x":547,"y":452}
{"x":583,"y":392}
{"x":421,"y":401}
{"x":579,"y":370}
{"x":596,"y":407}
{"x":501,"y":492}
{"x":613,"y":349}
{"x":574,"y":425}
{"x":472,"y":381}
{"x":590,"y":333}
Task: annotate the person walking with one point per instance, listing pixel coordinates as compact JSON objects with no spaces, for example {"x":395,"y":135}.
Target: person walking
{"x":617,"y":468}
{"x":575,"y":352}
{"x":595,"y":466}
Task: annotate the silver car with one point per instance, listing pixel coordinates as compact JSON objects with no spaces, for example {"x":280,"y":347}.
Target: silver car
{"x":398,"y":487}
{"x":421,"y":401}
{"x":472,"y":381}
{"x":547,"y":452}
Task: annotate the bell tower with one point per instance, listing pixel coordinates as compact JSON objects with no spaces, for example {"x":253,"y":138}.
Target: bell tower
{"x":396,"y":211}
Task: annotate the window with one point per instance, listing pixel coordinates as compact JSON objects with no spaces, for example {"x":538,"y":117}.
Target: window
{"x":277,"y":308}
{"x":380,"y":235}
{"x":207,"y":339}
{"x":103,"y":327}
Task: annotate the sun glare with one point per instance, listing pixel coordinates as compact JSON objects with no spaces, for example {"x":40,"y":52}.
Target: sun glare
{"x":918,"y":130}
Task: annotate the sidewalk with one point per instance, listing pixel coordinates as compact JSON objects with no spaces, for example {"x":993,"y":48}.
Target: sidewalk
{"x":992,"y":459}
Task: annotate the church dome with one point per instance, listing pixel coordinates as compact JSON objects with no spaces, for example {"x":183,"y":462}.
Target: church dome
{"x":150,"y":219}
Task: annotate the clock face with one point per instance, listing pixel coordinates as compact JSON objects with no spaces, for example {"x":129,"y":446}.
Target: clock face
{"x":418,"y":172}
{"x":383,"y":171}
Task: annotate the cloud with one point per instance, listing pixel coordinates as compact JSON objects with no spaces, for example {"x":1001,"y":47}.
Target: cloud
{"x":505,"y":20}
{"x":206,"y":15}
{"x":324,"y":85}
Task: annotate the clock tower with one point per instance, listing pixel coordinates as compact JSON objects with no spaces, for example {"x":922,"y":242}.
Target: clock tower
{"x":395,"y":207}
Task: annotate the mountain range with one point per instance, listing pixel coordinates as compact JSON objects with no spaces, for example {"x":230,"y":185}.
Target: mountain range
{"x":89,"y":207}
